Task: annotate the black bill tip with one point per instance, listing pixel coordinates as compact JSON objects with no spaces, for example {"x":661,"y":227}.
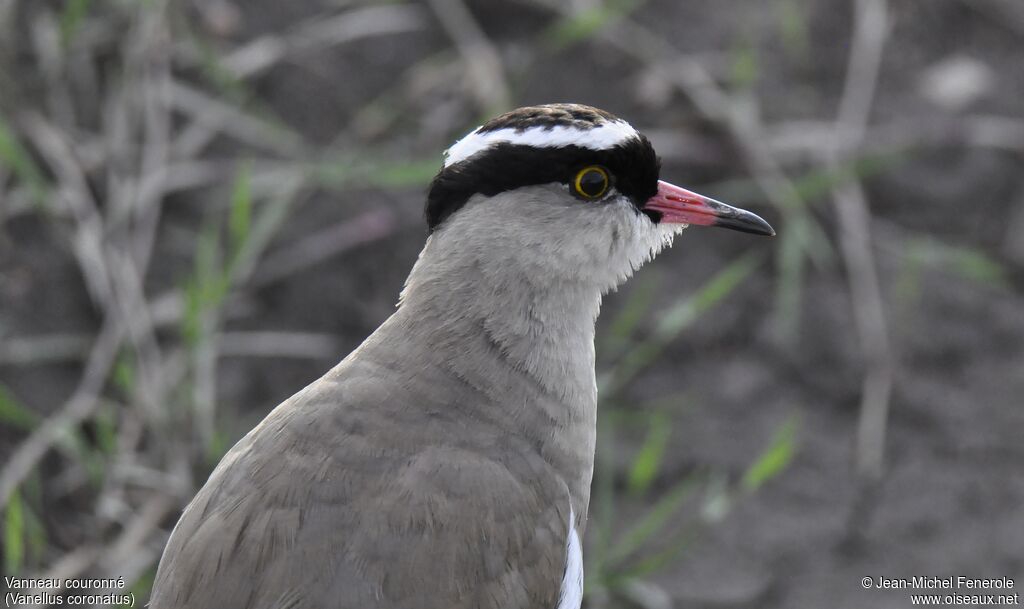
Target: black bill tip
{"x":741,"y":220}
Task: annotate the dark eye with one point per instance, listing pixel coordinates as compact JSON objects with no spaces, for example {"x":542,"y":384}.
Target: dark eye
{"x":591,"y":182}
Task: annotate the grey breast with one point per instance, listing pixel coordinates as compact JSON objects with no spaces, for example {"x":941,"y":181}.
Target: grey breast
{"x":370,"y":488}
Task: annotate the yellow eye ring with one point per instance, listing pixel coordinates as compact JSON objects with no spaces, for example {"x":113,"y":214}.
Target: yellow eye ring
{"x":591,"y":182}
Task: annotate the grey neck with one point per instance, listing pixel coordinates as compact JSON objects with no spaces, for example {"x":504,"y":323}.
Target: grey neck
{"x":541,"y":328}
{"x":522,"y":345}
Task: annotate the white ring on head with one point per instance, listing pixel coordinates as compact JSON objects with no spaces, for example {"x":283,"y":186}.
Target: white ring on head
{"x":604,"y":136}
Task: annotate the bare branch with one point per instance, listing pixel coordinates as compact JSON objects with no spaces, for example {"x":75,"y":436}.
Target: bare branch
{"x":77,"y":409}
{"x":319,"y":33}
{"x":326,"y":244}
{"x":870,"y":33}
{"x":486,"y":70}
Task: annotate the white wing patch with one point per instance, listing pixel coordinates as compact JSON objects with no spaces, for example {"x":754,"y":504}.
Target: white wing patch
{"x":571,"y":596}
{"x":602,"y":137}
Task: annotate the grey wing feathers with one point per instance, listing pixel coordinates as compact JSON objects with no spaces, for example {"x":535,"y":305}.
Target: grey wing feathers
{"x":309,"y":511}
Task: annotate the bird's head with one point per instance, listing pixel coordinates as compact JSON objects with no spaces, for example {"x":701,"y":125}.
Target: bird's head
{"x":567,"y":191}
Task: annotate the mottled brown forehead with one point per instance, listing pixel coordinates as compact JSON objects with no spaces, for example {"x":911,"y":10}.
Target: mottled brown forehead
{"x":549,"y":116}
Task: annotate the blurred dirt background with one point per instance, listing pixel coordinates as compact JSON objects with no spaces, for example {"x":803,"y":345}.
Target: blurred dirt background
{"x":205,"y":205}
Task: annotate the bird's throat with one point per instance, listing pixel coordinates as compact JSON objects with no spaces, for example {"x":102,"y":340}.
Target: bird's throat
{"x":522,"y":346}
{"x":538,"y":328}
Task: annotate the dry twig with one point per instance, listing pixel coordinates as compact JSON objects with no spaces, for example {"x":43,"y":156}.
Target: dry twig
{"x":482,"y":59}
{"x":870,"y":32}
{"x":77,"y":409}
{"x":318,"y":33}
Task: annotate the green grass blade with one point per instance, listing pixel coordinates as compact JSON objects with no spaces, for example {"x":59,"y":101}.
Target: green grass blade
{"x":657,"y":561}
{"x":817,"y":184}
{"x":206,"y":287}
{"x":774,"y":459}
{"x":123,"y":375}
{"x":678,"y":317}
{"x":636,"y":309}
{"x":648,"y":459}
{"x":400,"y":175}
{"x":976,"y":266}
{"x":71,"y":18}
{"x":143,"y":586}
{"x":74,"y":441}
{"x":342,"y":174}
{"x":17,"y":158}
{"x":744,"y":67}
{"x":652,"y":523}
{"x":219,"y":444}
{"x":240,"y":219}
{"x":789,"y":288}
{"x":105,"y":423}
{"x":965,"y":262}
{"x":14,"y":534}
{"x":35,"y":534}
{"x":587,"y":23}
{"x":793,"y":28}
{"x":604,"y":495}
{"x":13,"y":413}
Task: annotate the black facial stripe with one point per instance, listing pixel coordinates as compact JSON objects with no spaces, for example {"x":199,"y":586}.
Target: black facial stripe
{"x":633,"y":166}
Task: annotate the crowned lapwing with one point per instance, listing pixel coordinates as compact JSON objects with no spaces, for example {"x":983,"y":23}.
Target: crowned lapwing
{"x":446,"y":462}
